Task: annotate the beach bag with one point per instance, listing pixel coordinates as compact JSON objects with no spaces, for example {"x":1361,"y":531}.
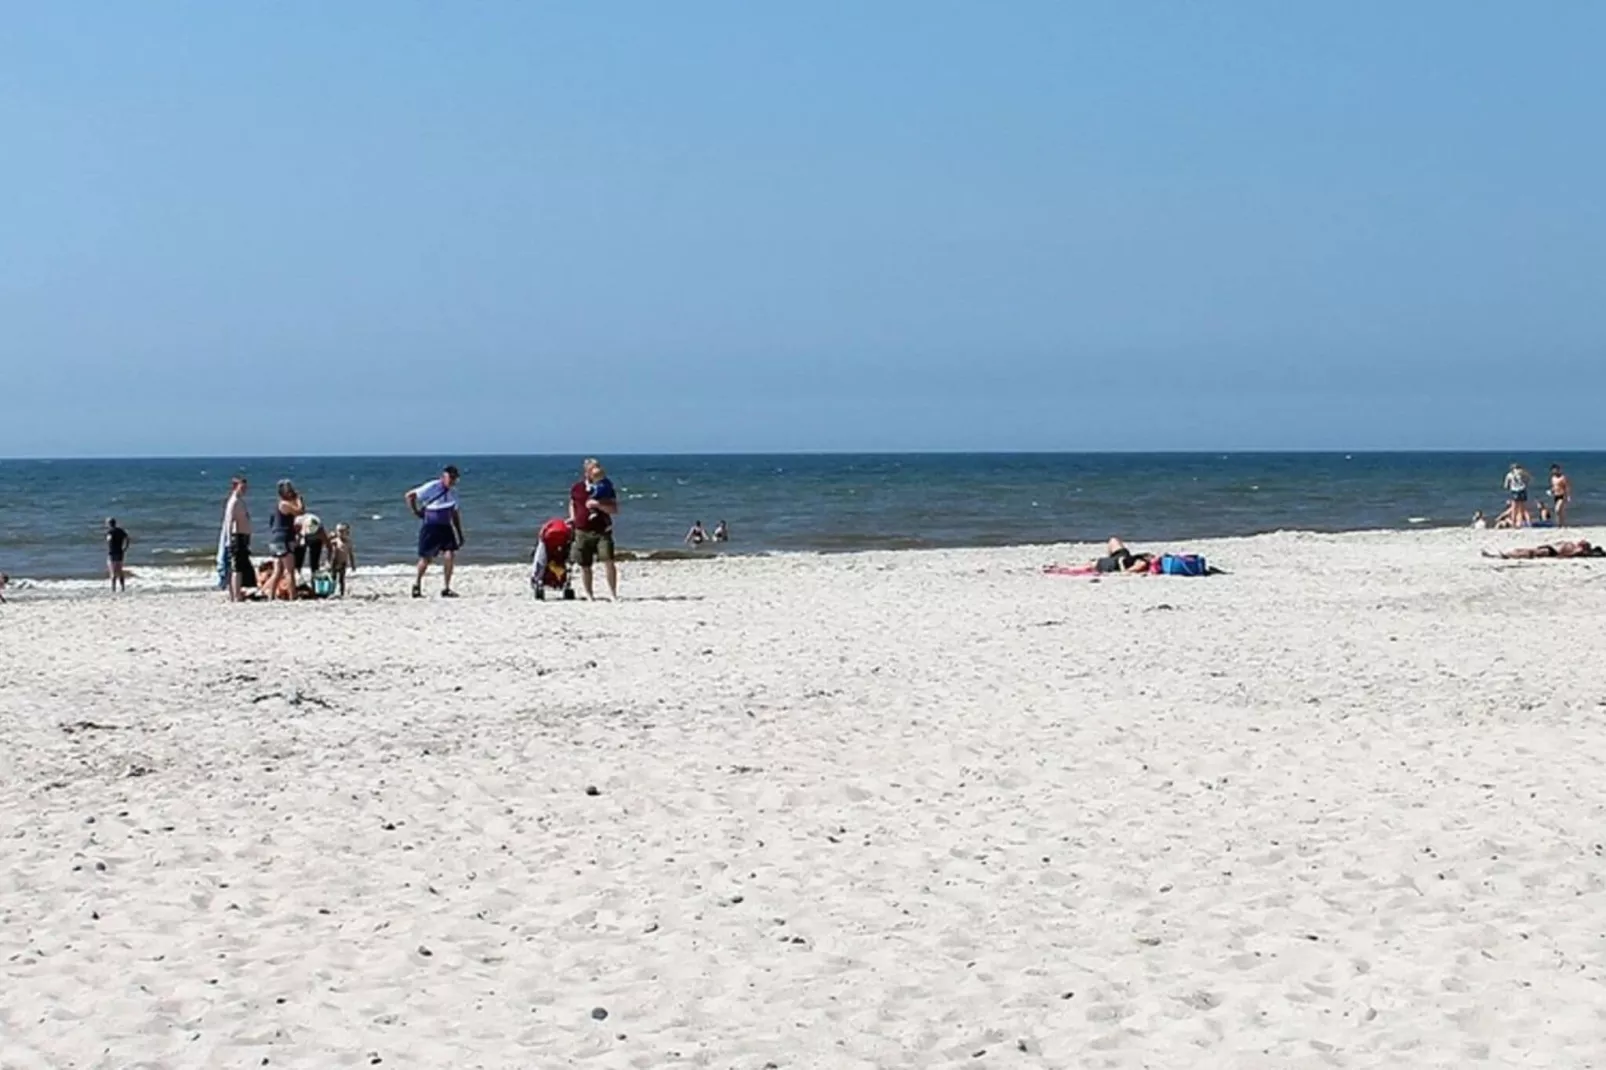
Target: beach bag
{"x":323,"y":585}
{"x":1183,"y":565}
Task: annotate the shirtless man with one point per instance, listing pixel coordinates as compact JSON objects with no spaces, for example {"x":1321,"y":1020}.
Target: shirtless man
{"x":1581,"y":548}
{"x":237,"y":521}
{"x":117,"y":541}
{"x":1561,"y":492}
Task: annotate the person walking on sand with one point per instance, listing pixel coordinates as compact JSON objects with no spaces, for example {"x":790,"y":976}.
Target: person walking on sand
{"x":1561,"y":492}
{"x":1516,"y":484}
{"x":441,"y":535}
{"x":234,"y":555}
{"x":593,"y":504}
{"x":282,"y":537}
{"x":117,"y":541}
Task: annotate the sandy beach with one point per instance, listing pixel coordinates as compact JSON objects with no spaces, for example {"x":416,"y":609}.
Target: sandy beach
{"x":1342,"y":807}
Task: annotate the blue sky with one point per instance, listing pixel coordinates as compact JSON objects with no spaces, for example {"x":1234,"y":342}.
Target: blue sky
{"x":259,"y":228}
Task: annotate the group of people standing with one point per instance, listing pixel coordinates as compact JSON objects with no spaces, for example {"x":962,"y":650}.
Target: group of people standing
{"x":297,"y":541}
{"x":593,"y":503}
{"x":1517,"y":513}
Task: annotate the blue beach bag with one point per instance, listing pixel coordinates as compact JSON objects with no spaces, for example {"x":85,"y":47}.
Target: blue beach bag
{"x":1183,"y":565}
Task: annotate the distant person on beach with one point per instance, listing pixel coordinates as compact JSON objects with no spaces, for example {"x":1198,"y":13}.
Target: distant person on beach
{"x":282,"y":538}
{"x":722,"y":532}
{"x":1516,"y":484}
{"x":4,"y":582}
{"x":117,"y":541}
{"x":696,"y":536}
{"x":342,"y":556}
{"x":237,"y":536}
{"x":441,"y":534}
{"x":1561,"y":493}
{"x":593,"y":503}
{"x":1581,"y":548}
{"x":1479,"y":521}
{"x":1545,"y":520}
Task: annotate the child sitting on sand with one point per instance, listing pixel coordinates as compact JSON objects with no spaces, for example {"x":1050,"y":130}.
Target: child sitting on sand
{"x":342,"y":556}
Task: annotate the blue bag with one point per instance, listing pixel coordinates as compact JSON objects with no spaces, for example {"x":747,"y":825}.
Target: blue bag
{"x":1183,"y":565}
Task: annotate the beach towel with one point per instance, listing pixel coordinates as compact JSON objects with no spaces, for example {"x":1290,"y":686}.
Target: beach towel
{"x":223,"y":545}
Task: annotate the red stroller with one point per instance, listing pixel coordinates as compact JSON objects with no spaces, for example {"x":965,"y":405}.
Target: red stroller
{"x":550,"y":566}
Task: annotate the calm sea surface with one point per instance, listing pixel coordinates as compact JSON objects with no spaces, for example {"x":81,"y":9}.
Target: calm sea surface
{"x":50,"y":528}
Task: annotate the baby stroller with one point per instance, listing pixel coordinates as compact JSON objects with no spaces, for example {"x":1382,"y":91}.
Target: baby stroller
{"x":550,"y":566}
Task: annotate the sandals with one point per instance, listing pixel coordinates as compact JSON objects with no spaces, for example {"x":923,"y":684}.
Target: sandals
{"x":418,"y":590}
{"x":447,"y":592}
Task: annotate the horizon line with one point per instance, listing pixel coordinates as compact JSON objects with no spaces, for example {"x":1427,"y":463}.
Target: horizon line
{"x":450,"y":457}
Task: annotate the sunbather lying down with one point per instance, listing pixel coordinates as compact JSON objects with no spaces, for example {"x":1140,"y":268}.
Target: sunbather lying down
{"x":1581,"y":548}
{"x":1118,"y":558}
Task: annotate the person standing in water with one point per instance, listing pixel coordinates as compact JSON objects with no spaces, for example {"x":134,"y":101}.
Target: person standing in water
{"x":722,"y":532}
{"x":593,"y":504}
{"x":1561,"y":492}
{"x":441,"y":535}
{"x":117,"y":541}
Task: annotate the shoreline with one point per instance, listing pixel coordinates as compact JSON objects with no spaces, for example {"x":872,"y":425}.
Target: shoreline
{"x":170,"y":579}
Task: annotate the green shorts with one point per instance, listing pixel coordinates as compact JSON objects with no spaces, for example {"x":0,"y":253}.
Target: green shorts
{"x":589,"y":546}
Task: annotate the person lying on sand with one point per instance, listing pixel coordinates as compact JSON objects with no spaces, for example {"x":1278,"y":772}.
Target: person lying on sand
{"x":1581,"y":548}
{"x":1120,"y":559}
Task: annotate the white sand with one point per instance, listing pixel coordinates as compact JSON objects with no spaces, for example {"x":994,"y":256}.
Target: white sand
{"x":1344,"y":807}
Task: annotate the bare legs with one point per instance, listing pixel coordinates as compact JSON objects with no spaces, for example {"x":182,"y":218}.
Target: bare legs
{"x":284,"y":568}
{"x":448,"y":561}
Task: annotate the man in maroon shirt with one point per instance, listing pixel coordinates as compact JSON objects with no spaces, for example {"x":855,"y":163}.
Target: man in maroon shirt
{"x":593,"y":504}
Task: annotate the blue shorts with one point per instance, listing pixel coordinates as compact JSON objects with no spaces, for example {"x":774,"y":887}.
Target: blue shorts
{"x":436,"y":539}
{"x":1519,"y":495}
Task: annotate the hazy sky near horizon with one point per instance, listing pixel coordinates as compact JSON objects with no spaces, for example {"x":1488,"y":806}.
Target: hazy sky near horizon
{"x":259,"y":228}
